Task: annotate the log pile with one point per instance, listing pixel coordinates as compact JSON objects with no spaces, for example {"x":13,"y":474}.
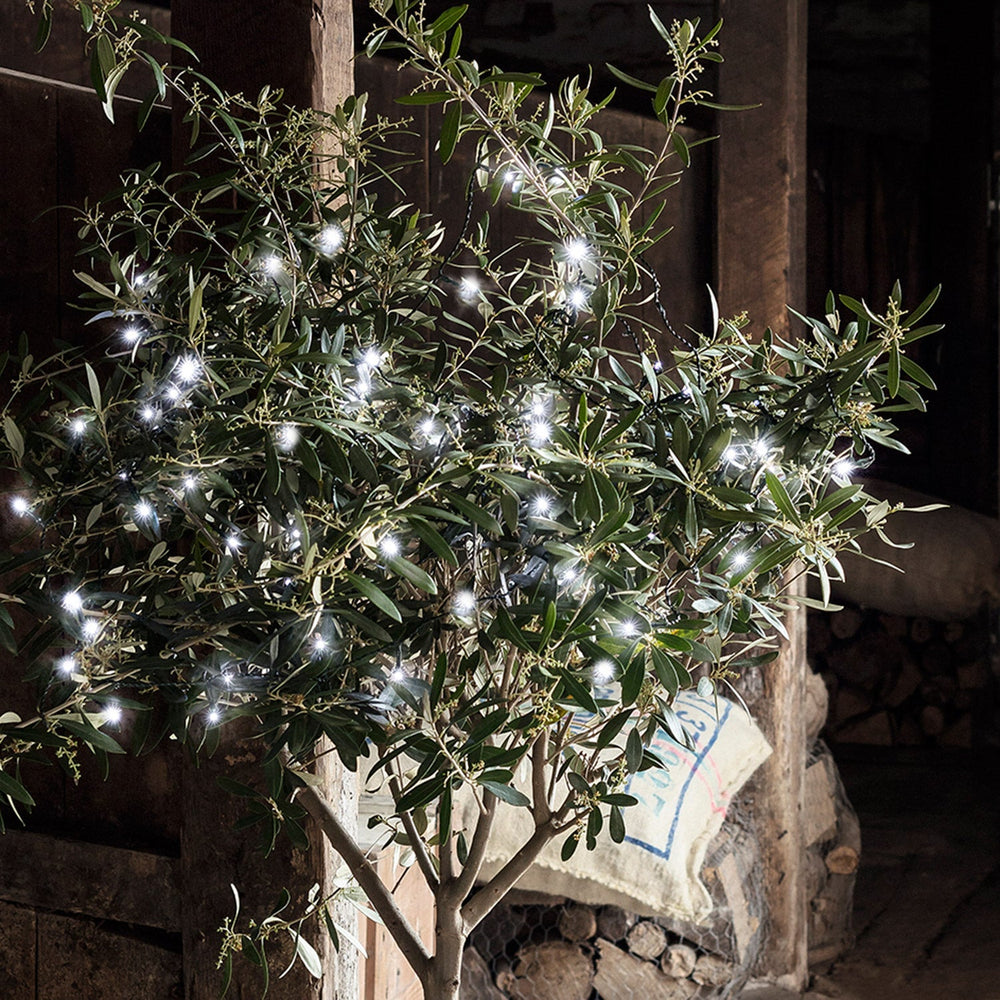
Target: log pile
{"x":895,"y":681}
{"x":568,"y":951}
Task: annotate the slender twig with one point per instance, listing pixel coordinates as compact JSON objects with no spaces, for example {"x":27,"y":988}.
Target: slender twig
{"x":477,"y":849}
{"x":424,"y":861}
{"x":374,"y":888}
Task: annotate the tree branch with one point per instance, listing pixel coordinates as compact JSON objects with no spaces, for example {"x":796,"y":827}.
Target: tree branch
{"x":505,"y":879}
{"x":477,"y":849}
{"x":539,"y":785}
{"x":374,"y":888}
{"x":416,"y":841}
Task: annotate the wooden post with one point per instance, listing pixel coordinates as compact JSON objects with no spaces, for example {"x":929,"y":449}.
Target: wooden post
{"x":305,"y":48}
{"x":760,"y":264}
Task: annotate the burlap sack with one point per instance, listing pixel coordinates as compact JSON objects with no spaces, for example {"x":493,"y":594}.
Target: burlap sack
{"x":681,"y":808}
{"x":952,"y":569}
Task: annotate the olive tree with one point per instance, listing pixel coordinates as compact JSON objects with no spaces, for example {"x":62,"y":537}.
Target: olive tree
{"x":448,"y":509}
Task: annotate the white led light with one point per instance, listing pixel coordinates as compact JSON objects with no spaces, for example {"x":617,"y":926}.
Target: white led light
{"x":287,"y":437}
{"x":843,"y":468}
{"x":577,"y":298}
{"x":371,"y":357}
{"x":72,"y":602}
{"x":66,"y":665}
{"x":20,"y":506}
{"x":131,"y":334}
{"x":629,"y":628}
{"x":397,"y":675}
{"x":189,"y":483}
{"x":319,"y":645}
{"x":188,"y":368}
{"x":577,"y":250}
{"x":541,"y":505}
{"x":272,"y":265}
{"x":760,"y":448}
{"x":144,"y":511}
{"x":465,"y":602}
{"x":468,"y":290}
{"x":738,"y":560}
{"x":731,"y":455}
{"x":331,"y":239}
{"x":90,"y":629}
{"x":603,"y":671}
{"x":390,"y":547}
{"x":227,"y":678}
{"x":112,"y":714}
{"x":78,"y":427}
{"x":540,"y":432}
{"x":214,"y":715}
{"x":148,"y":414}
{"x":233,"y":542}
{"x":173,"y":393}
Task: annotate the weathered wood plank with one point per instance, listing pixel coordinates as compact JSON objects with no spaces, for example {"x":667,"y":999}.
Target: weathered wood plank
{"x":110,"y":883}
{"x":29,"y":288}
{"x":385,"y":974}
{"x":80,"y":958}
{"x":17,"y":953}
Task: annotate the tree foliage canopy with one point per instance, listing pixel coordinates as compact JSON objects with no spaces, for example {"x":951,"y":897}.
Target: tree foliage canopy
{"x":448,"y":504}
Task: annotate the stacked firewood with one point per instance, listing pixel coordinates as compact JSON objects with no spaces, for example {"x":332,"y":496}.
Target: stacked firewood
{"x":897,"y":681}
{"x":544,"y":948}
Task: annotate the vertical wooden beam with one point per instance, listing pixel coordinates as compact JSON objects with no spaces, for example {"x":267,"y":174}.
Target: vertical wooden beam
{"x":305,"y":48}
{"x":761,"y":168}
{"x":760,"y":266}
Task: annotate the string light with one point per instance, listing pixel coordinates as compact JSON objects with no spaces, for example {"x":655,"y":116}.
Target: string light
{"x":371,"y":357}
{"x":577,"y":250}
{"x":233,"y":542}
{"x":540,"y":432}
{"x":66,"y":665}
{"x":430,"y":430}
{"x":541,"y":505}
{"x":148,"y":414}
{"x":603,"y":671}
{"x":174,"y":393}
{"x":398,"y":675}
{"x":739,"y":560}
{"x":144,"y":511}
{"x":465,"y":602}
{"x":72,"y":602}
{"x":90,"y":629}
{"x":319,"y":646}
{"x":390,"y":546}
{"x":214,"y":715}
{"x":131,"y":334}
{"x":78,"y":427}
{"x":188,"y":368}
{"x":629,"y":628}
{"x":272,"y":265}
{"x":468,"y":290}
{"x":731,"y":455}
{"x":331,"y":239}
{"x":760,"y":448}
{"x":189,"y":483}
{"x":577,"y":298}
{"x":112,"y":714}
{"x":287,"y":437}
{"x":20,"y":506}
{"x":842,"y":468}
